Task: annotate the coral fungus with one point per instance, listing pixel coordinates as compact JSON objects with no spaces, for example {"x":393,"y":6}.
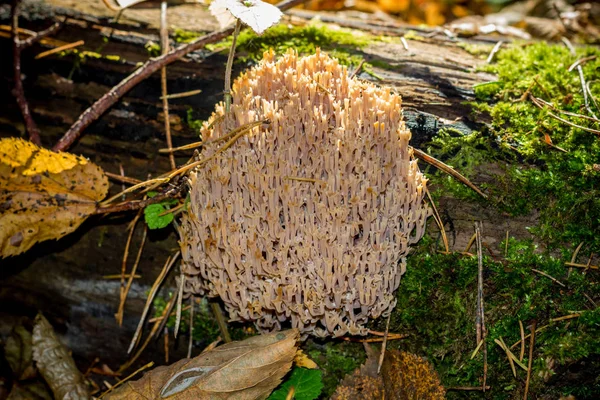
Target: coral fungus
{"x":309,"y":216}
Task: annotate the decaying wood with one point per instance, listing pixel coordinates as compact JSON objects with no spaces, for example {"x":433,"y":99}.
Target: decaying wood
{"x":64,"y":279}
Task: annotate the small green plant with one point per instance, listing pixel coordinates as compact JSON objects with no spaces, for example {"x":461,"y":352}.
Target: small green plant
{"x":157,"y":215}
{"x":306,"y":383}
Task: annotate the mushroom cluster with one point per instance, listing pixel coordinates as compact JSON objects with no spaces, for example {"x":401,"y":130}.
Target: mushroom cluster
{"x":308,"y":216}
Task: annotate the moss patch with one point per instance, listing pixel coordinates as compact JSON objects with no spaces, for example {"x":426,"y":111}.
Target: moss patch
{"x":436,"y":307}
{"x":550,"y":166}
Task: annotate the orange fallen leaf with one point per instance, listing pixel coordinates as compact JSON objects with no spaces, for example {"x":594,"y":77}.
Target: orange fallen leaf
{"x":43,"y":195}
{"x":244,"y":370}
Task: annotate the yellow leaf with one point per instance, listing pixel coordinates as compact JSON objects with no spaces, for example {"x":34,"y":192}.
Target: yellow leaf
{"x":302,"y":360}
{"x":43,"y":195}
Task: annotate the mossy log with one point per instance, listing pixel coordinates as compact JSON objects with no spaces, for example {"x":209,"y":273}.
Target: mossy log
{"x":64,"y":279}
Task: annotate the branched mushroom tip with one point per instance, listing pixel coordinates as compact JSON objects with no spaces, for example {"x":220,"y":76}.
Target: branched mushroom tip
{"x":324,"y":250}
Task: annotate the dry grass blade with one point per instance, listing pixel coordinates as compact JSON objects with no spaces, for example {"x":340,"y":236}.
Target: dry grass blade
{"x":476,"y":349}
{"x":447,"y":169}
{"x":125,"y":292}
{"x":184,"y":147}
{"x":494,"y":51}
{"x":134,"y":188}
{"x":581,"y":78}
{"x":510,"y":360}
{"x":153,"y":291}
{"x":581,"y":61}
{"x":480,"y":318}
{"x":439,"y":222}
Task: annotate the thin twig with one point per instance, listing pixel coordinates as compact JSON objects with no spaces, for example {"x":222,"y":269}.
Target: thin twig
{"x":357,"y":69}
{"x":18,"y":91}
{"x":530,"y":361}
{"x":164,"y":44}
{"x":470,"y":388}
{"x":219,"y":317}
{"x":449,"y":170}
{"x":480,"y":320}
{"x":42,"y":34}
{"x":149,"y":67}
{"x":384,"y":344}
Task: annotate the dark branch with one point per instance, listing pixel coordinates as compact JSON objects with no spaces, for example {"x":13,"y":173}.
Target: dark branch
{"x":18,"y":91}
{"x":150,"y":67}
{"x":42,"y":34}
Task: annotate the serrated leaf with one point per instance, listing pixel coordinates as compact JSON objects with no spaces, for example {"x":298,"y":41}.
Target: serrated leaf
{"x":153,"y":217}
{"x":307,"y":384}
{"x":43,"y":195}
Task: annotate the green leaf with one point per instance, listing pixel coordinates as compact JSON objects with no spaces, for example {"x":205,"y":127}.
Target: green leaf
{"x":153,"y":217}
{"x":307,"y":385}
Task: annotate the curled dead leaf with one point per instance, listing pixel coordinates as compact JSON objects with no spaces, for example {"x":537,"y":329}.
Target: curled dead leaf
{"x":244,"y":370}
{"x":43,"y":195}
{"x":55,"y":364}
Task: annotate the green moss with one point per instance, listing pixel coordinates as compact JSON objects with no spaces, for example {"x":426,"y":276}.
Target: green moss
{"x":436,"y":307}
{"x":336,"y":359}
{"x":558,"y":179}
{"x":183,"y":36}
{"x":480,"y":50}
{"x":413,"y":35}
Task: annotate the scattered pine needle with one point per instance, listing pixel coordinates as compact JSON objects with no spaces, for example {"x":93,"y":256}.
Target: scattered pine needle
{"x":125,"y":291}
{"x":470,"y":388}
{"x":191,"y":340}
{"x":477,"y":349}
{"x":163,"y":273}
{"x":121,"y":178}
{"x":548,"y":276}
{"x":181,"y":95}
{"x":220,"y":318}
{"x":438,"y":220}
{"x":59,"y":49}
{"x":179,"y":301}
{"x":119,"y":276}
{"x":149,"y":365}
{"x":584,"y":266}
{"x":447,"y":169}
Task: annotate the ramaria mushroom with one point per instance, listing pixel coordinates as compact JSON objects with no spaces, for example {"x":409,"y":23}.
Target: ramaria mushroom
{"x":307,"y":219}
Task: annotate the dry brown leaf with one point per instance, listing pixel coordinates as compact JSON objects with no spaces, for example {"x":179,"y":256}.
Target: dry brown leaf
{"x":245,"y":370}
{"x":56,"y":364}
{"x":17,"y":351}
{"x":43,"y":195}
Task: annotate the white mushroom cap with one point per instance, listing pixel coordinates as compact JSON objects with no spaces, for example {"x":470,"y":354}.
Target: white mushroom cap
{"x":308,"y":219}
